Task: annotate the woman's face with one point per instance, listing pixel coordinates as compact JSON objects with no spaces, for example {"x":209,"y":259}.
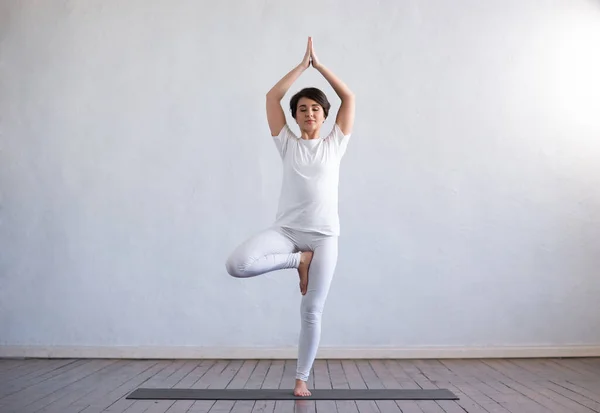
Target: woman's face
{"x":309,"y":114}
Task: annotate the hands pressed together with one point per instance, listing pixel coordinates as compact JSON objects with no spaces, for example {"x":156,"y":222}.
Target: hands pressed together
{"x":310,"y":57}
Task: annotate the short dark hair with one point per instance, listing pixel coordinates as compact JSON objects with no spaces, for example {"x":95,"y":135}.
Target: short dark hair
{"x":310,"y":93}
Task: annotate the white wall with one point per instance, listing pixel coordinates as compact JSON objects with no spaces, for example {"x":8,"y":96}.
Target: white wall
{"x":135,"y":155}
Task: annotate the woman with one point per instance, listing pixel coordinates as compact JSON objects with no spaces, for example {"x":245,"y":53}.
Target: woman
{"x":305,"y":233}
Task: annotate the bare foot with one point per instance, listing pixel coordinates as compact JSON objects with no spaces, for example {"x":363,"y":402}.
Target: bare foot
{"x":305,"y":260}
{"x":301,"y":390}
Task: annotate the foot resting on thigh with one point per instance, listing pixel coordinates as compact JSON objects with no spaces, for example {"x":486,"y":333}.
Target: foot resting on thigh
{"x":301,"y":389}
{"x":305,"y":260}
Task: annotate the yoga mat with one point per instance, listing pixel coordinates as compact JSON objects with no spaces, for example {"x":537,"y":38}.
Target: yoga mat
{"x":287,"y":394}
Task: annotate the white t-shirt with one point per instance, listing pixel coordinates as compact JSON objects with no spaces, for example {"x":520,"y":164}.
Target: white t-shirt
{"x":309,"y":190}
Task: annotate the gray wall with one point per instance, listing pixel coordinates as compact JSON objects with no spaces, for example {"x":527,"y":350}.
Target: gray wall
{"x":135,"y":155}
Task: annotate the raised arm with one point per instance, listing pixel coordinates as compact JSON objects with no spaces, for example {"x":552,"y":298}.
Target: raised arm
{"x":275,"y":114}
{"x":345,"y":116}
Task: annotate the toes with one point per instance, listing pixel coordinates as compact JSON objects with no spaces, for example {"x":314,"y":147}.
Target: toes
{"x":303,"y":287}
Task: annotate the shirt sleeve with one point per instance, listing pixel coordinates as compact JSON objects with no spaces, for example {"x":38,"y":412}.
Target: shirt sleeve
{"x":282,"y":140}
{"x":340,"y":140}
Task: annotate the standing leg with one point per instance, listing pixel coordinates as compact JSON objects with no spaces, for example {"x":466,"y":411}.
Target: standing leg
{"x":321,"y":271}
{"x":269,"y":250}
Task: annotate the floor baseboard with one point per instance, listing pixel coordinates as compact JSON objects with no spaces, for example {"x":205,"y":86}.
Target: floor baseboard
{"x":185,"y":352}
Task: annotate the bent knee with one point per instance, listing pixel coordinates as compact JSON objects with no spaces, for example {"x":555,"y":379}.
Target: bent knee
{"x":235,"y":267}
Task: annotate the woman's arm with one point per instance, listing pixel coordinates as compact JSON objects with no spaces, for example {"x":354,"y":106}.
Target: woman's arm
{"x":275,"y":114}
{"x":345,"y":116}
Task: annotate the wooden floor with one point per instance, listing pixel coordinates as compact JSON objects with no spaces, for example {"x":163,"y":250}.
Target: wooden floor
{"x":486,"y":385}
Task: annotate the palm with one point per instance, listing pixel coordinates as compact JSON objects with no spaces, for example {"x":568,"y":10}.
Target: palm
{"x":314,"y":60}
{"x":310,"y":57}
{"x":307,"y":55}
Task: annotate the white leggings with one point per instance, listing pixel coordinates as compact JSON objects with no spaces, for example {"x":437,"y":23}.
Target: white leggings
{"x":280,"y":248}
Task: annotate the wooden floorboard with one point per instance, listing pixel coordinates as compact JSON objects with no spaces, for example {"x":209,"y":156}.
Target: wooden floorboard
{"x":556,"y":385}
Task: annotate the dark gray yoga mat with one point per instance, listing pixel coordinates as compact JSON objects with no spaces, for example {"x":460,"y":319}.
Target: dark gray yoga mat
{"x":286,"y":394}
